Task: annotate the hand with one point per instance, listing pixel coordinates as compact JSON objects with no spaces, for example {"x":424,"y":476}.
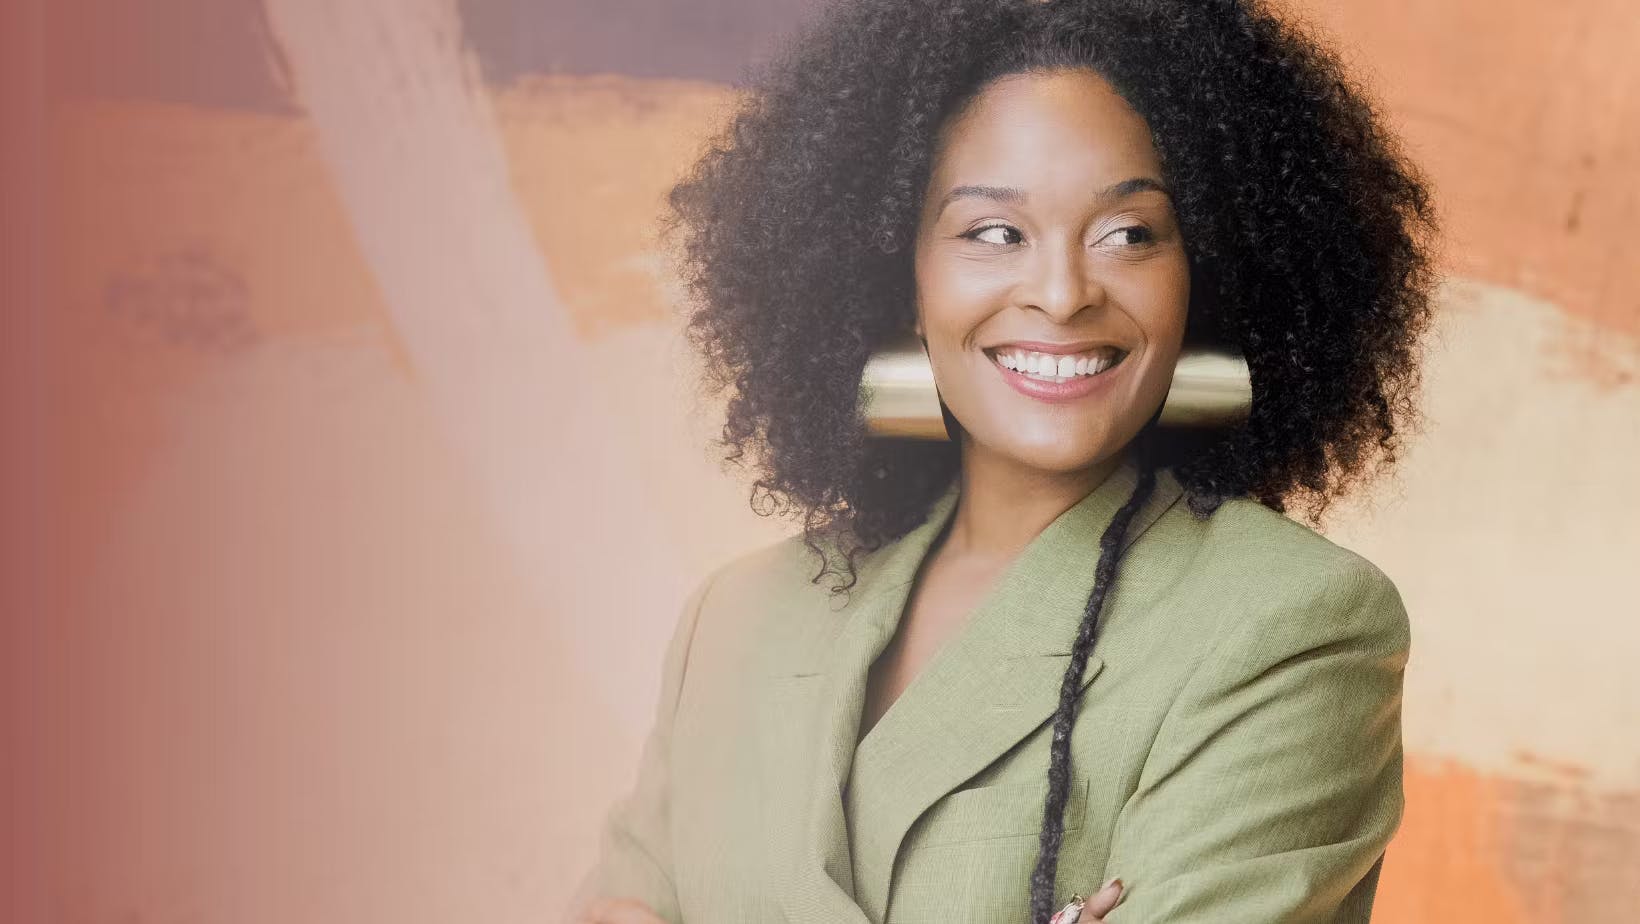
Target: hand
{"x":1093,"y":910}
{"x":617,"y":911}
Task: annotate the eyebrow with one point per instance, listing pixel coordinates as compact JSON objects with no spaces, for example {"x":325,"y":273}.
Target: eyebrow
{"x":1013,"y":195}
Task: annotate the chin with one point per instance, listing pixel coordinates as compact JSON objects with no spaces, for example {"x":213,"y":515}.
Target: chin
{"x":1062,"y":463}
{"x":1056,"y":457}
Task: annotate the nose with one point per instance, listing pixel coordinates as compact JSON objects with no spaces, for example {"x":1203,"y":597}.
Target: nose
{"x":1060,"y":280}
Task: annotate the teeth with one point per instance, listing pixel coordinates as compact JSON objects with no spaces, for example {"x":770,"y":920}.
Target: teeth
{"x":1057,"y":366}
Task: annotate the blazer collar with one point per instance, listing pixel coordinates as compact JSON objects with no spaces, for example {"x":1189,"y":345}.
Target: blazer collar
{"x":987,"y":688}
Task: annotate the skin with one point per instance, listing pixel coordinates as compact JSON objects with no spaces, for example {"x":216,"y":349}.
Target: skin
{"x":1052,"y":261}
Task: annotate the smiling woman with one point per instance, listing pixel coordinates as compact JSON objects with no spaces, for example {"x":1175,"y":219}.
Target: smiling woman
{"x":1068,"y":645}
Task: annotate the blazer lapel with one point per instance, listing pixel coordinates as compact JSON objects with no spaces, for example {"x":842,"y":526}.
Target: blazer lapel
{"x":988,"y":687}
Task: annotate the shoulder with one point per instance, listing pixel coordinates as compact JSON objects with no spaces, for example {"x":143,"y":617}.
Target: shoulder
{"x":1267,"y":576}
{"x":1245,"y":532}
{"x":776,"y":571}
{"x":764,"y":599}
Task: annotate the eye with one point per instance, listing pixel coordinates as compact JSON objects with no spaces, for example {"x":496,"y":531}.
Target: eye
{"x":1001,"y":237}
{"x":1131,"y":236}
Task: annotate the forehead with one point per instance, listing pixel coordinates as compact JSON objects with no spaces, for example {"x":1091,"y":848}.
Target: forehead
{"x":1045,"y":130}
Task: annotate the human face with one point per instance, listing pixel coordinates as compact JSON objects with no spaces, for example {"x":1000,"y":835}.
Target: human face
{"x":1046,"y":228}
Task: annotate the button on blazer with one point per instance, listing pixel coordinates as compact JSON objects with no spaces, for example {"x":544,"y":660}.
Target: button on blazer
{"x":1236,"y":755}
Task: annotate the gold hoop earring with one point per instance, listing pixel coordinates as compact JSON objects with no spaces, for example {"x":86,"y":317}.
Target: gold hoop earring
{"x":1211,"y":388}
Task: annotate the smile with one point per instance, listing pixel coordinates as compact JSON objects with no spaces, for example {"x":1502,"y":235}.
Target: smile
{"x":1057,"y":366}
{"x":1057,"y":377}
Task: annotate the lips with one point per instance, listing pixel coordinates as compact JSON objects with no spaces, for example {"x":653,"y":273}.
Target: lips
{"x":1038,"y":374}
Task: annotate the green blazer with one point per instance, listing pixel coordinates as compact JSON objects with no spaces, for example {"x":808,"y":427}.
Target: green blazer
{"x":1236,"y":757}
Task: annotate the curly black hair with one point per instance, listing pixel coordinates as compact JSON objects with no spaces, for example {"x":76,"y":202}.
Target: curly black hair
{"x":1309,"y":236}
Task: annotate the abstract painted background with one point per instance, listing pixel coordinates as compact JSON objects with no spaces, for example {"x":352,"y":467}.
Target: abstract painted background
{"x":352,"y":485}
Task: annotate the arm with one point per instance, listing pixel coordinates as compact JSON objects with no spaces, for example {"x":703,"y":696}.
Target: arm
{"x":1274,"y":783}
{"x":635,"y":843}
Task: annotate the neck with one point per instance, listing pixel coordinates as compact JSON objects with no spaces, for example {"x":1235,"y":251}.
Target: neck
{"x":1002,"y":506}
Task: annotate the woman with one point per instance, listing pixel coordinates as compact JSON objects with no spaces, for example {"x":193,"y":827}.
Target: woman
{"x":1057,"y":197}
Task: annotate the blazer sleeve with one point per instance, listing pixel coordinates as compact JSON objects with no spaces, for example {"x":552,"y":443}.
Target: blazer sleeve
{"x":1274,"y":783}
{"x":635,"y":841}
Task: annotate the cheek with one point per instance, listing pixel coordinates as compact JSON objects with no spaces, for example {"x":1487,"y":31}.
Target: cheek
{"x":954,"y":297}
{"x":1158,"y":301}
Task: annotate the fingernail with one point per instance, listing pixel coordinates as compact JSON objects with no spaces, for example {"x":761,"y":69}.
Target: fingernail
{"x":1108,"y":882}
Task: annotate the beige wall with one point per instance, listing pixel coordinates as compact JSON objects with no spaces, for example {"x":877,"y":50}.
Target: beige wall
{"x":362,"y":412}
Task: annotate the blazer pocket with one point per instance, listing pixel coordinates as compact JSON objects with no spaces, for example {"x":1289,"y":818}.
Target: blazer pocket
{"x":997,"y":811}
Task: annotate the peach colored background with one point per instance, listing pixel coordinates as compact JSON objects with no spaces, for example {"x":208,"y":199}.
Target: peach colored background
{"x":351,"y":488}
